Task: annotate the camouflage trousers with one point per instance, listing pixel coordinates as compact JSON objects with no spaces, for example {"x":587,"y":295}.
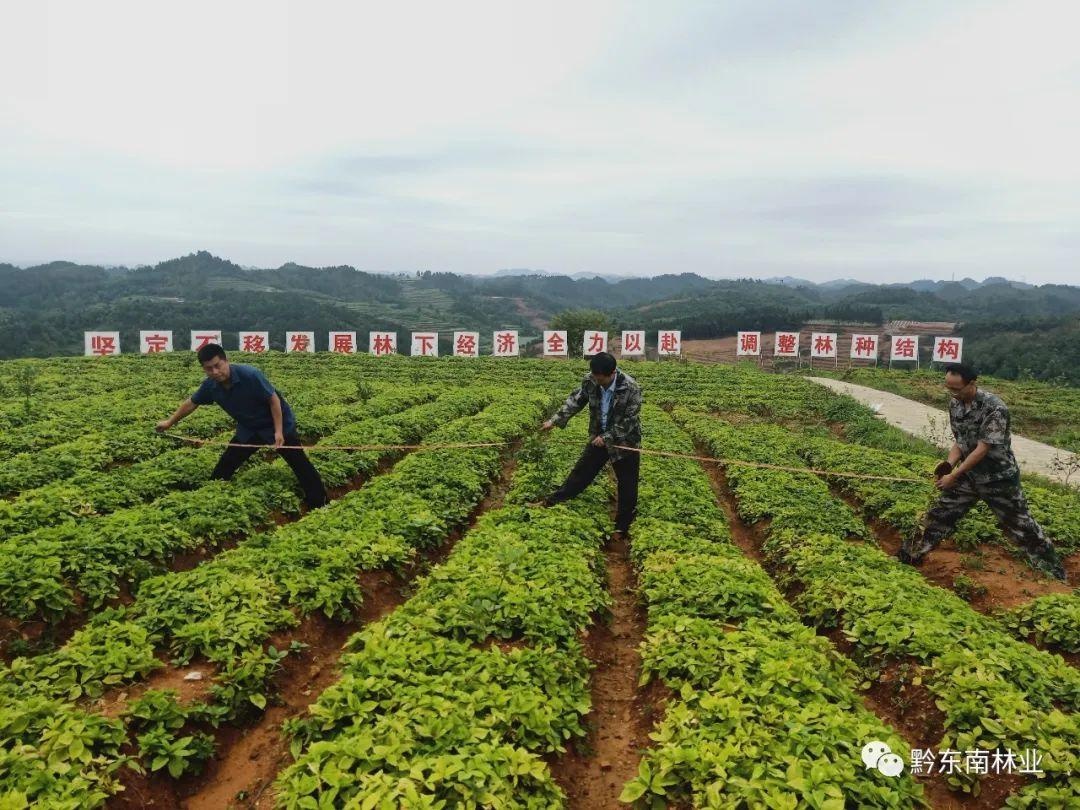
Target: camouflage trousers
{"x":1006,"y":500}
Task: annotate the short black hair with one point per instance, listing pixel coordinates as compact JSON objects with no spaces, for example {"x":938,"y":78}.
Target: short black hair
{"x":210,"y":351}
{"x":602,"y":363}
{"x":965,"y":371}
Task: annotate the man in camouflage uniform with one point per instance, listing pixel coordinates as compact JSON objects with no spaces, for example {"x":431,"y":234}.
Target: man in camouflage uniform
{"x":614,"y":401}
{"x":983,"y":467}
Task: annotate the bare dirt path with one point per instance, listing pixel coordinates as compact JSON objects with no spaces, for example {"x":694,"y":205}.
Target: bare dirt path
{"x":594,"y":773}
{"x":929,"y":423}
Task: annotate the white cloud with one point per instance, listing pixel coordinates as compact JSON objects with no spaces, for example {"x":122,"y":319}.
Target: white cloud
{"x":818,"y":139}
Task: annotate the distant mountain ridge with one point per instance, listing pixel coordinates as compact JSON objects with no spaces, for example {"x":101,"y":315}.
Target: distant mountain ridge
{"x":45,"y":308}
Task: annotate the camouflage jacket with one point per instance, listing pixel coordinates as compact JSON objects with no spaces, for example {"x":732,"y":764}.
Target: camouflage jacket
{"x":986,"y":419}
{"x":623,"y":421}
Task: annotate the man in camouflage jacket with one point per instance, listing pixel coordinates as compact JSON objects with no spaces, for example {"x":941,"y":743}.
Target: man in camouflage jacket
{"x":614,"y":401}
{"x":983,"y":467}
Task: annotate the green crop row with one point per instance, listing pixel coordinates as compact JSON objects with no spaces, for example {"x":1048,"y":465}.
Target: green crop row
{"x":51,"y":572}
{"x":91,"y":451}
{"x":81,"y":440}
{"x":1054,"y":621}
{"x":311,"y":565}
{"x":225,"y":609}
{"x":237,"y":593}
{"x":55,"y":435}
{"x":95,"y":492}
{"x":45,"y":421}
{"x":995,"y":692}
{"x":89,"y":494}
{"x":453,"y":699}
{"x":122,"y":397}
{"x":763,"y":712}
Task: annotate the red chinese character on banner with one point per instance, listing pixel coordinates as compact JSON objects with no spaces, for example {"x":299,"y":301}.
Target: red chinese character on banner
{"x":786,"y":343}
{"x":466,"y":344}
{"x":204,"y":340}
{"x":823,"y":344}
{"x":382,"y":344}
{"x":749,"y":342}
{"x":555,"y":343}
{"x":425,"y":342}
{"x":948,"y":349}
{"x":865,"y":345}
{"x":102,"y":345}
{"x":156,"y":343}
{"x":669,"y":342}
{"x":343,"y":343}
{"x":254,"y":343}
{"x":301,"y":342}
{"x":505,"y":343}
{"x":633,"y":342}
{"x":597,"y":343}
{"x":905,"y":347}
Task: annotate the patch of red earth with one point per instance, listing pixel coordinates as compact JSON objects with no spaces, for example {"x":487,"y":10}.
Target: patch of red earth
{"x":994,"y":790}
{"x":533,"y":316}
{"x":714,"y":350}
{"x":747,"y":538}
{"x":594,"y":771}
{"x":1008,"y":582}
{"x":188,"y":560}
{"x":40,"y":636}
{"x":1072,"y":568}
{"x":356,"y":482}
{"x":189,"y":690}
{"x":654,"y":698}
{"x":61,"y":633}
{"x":1001,"y":581}
{"x":249,"y":759}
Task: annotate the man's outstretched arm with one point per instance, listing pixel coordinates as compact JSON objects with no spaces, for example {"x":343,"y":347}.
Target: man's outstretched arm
{"x":186,"y":407}
{"x":574,"y":403}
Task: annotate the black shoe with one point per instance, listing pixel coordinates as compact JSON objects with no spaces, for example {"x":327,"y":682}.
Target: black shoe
{"x":1054,"y":569}
{"x":904,"y":557}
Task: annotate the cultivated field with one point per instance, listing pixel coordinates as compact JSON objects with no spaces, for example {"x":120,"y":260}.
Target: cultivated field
{"x":429,"y":639}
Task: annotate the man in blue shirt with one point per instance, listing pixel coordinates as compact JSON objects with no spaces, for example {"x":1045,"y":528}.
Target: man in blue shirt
{"x":262,"y":417}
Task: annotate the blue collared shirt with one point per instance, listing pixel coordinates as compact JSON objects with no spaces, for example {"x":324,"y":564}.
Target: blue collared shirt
{"x":247,"y":400}
{"x":605,"y":400}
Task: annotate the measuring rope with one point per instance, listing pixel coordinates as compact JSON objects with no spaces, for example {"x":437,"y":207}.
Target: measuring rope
{"x":468,"y":445}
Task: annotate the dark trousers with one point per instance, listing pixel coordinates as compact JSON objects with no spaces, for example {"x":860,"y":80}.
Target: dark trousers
{"x":306,"y":474}
{"x":592,"y":461}
{"x":1006,"y":500}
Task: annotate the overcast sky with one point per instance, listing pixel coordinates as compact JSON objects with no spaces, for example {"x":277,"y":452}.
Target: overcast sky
{"x":876,"y":140}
